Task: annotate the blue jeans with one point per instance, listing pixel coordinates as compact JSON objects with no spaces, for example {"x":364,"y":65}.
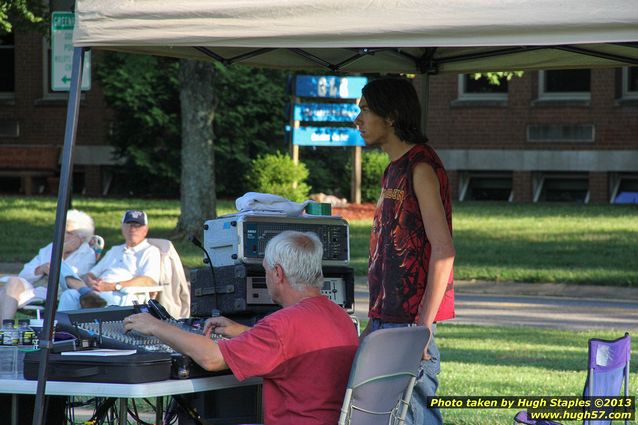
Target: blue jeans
{"x":426,"y":383}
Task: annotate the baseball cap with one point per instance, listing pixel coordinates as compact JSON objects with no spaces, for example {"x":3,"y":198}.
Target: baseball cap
{"x":135,"y":216}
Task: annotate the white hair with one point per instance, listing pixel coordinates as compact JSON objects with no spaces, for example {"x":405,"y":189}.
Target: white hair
{"x":82,"y":223}
{"x":299,"y":255}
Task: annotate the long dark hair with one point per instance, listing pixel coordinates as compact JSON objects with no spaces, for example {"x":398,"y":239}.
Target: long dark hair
{"x":396,"y":99}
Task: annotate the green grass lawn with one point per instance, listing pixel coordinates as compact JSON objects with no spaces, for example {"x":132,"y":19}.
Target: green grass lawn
{"x":547,"y":243}
{"x":494,"y":241}
{"x":26,"y":224}
{"x":535,"y":243}
{"x":513,"y":361}
{"x":573,"y":243}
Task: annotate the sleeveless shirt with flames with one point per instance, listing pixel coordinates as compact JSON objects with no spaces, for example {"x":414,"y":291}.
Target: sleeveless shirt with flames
{"x":399,"y":248}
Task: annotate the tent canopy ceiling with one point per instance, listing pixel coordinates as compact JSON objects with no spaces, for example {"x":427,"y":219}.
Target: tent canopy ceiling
{"x":400,"y":36}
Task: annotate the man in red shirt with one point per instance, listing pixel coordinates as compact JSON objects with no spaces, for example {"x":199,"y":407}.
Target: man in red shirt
{"x":303,"y":352}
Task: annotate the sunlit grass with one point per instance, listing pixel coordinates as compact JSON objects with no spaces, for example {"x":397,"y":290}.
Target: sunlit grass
{"x":494,"y":241}
{"x":513,"y":361}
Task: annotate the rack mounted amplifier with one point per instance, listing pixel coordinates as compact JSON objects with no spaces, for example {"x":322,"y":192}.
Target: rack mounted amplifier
{"x":241,"y":289}
{"x":236,"y":239}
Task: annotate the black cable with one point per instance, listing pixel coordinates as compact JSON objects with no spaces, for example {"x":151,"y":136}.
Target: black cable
{"x":103,"y":409}
{"x":135,"y":414}
{"x":182,"y":403}
{"x":170,"y":415}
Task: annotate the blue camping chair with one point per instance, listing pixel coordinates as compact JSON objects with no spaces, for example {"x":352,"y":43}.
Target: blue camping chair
{"x":608,"y":370}
{"x":608,"y":374}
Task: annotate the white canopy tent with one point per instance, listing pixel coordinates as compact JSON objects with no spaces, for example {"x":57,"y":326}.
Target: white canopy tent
{"x":400,"y":36}
{"x":354,"y":36}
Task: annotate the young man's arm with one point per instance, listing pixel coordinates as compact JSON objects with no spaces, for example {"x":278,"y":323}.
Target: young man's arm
{"x":427,"y":190}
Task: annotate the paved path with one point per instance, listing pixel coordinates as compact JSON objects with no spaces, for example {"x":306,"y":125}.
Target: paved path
{"x":545,"y":305}
{"x":549,"y":312}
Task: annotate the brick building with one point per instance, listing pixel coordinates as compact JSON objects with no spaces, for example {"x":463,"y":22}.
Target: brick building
{"x":568,"y":135}
{"x":32,"y":123}
{"x":549,"y":135}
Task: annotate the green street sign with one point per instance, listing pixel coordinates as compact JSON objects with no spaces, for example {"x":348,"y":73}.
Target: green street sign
{"x":62,"y":24}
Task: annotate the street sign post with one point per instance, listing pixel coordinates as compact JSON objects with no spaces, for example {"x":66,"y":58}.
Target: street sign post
{"x":62,"y":24}
{"x":323,"y":122}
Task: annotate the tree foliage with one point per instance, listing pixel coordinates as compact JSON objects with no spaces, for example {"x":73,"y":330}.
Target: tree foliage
{"x":250,"y":121}
{"x":28,"y":14}
{"x":495,"y":78}
{"x":278,"y":174}
{"x":143,"y":91}
{"x":328,"y":169}
{"x":373,"y":164}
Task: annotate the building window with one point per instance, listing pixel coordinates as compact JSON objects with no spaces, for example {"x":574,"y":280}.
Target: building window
{"x":630,"y":82}
{"x":624,"y":188}
{"x":561,"y":133}
{"x":561,"y":187}
{"x":481,"y":89}
{"x":7,"y":66}
{"x":565,"y":84}
{"x":485,"y":186}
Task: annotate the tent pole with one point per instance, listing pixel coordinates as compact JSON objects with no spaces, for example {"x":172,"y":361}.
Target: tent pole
{"x":64,"y":190}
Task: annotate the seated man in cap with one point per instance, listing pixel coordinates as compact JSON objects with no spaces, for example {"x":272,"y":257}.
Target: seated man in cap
{"x":134,"y":263}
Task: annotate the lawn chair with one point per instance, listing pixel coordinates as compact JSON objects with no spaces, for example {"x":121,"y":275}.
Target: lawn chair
{"x":607,"y":374}
{"x":175,"y":293}
{"x":608,"y":370}
{"x":383,"y":375}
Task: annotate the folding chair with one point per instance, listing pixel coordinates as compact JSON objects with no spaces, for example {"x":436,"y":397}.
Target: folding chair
{"x":383,"y":375}
{"x":608,"y":370}
{"x":175,"y":293}
{"x":608,"y":373}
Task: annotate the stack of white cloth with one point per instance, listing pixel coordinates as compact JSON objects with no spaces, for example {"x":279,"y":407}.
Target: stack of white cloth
{"x":267,"y":203}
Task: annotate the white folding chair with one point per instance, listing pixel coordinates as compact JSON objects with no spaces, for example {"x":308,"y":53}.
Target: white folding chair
{"x":175,"y":296}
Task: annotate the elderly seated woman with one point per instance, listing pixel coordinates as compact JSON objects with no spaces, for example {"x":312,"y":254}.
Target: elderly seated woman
{"x":31,"y":283}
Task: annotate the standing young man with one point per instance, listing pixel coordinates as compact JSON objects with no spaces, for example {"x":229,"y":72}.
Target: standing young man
{"x":411,"y":251}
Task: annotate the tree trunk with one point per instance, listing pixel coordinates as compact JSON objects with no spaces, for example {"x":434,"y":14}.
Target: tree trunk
{"x":198,"y":200}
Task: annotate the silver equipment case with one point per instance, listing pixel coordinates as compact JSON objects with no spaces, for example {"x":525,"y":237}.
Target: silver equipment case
{"x":236,"y":239}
